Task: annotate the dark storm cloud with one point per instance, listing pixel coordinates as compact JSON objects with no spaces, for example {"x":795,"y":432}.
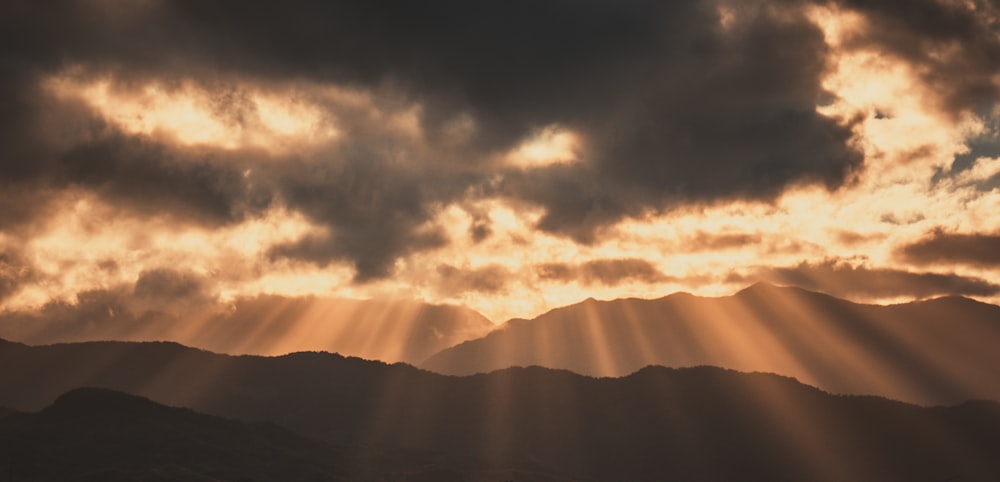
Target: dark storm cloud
{"x":602,"y":271}
{"x":60,"y":146}
{"x":975,"y":249}
{"x":703,"y":241}
{"x":101,"y":314}
{"x":673,"y":108}
{"x":480,"y":228}
{"x":152,"y":178}
{"x":852,"y":238}
{"x":374,"y":199}
{"x":146,"y":309}
{"x":955,"y":49}
{"x":372,"y":247}
{"x":613,"y":271}
{"x":986,"y":144}
{"x":556,"y":271}
{"x":487,"y":279}
{"x":847,"y":281}
{"x":708,"y":114}
{"x":160,"y":283}
{"x":15,"y":271}
{"x":375,"y":192}
{"x":22,"y":204}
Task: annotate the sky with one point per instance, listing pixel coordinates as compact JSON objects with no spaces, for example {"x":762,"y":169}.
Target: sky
{"x":511,"y":157}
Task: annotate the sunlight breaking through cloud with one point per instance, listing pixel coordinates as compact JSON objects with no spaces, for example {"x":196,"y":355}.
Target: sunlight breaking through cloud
{"x":365,"y":184}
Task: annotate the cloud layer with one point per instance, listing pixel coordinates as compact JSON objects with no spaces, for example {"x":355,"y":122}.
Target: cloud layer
{"x":448,"y":150}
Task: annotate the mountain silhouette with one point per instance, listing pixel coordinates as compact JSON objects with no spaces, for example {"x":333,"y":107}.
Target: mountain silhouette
{"x":703,"y":423}
{"x":91,"y":434}
{"x":391,"y":331}
{"x":939,"y":351}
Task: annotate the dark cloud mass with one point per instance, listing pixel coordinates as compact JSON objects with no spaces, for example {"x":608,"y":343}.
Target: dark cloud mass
{"x":845,"y":280}
{"x":696,"y":113}
{"x":852,"y":238}
{"x":922,"y":32}
{"x":602,"y":271}
{"x":954,"y":48}
{"x":672,"y":106}
{"x":702,"y":241}
{"x":170,"y":285}
{"x":975,"y":249}
{"x":486,"y":279}
{"x":15,"y":271}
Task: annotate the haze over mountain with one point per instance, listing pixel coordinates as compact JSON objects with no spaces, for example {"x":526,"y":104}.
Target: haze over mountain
{"x":390,"y":331}
{"x":930,"y":352}
{"x":98,"y":435}
{"x":657,"y":424}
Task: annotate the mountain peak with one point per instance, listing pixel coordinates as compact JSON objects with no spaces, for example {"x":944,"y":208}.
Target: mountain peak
{"x":766,"y":288}
{"x":549,"y":419}
{"x":94,"y":401}
{"x":760,"y":287}
{"x":767,"y":328}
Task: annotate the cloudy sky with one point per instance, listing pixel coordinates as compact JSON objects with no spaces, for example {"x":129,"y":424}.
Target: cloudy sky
{"x":510,"y":156}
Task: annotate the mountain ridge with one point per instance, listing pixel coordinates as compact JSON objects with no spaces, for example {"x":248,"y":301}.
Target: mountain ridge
{"x":98,"y":434}
{"x":896,"y":351}
{"x":660,"y":423}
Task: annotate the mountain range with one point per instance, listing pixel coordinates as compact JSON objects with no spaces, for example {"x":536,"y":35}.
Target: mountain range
{"x":659,"y":423}
{"x":99,"y":435}
{"x":937,"y":351}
